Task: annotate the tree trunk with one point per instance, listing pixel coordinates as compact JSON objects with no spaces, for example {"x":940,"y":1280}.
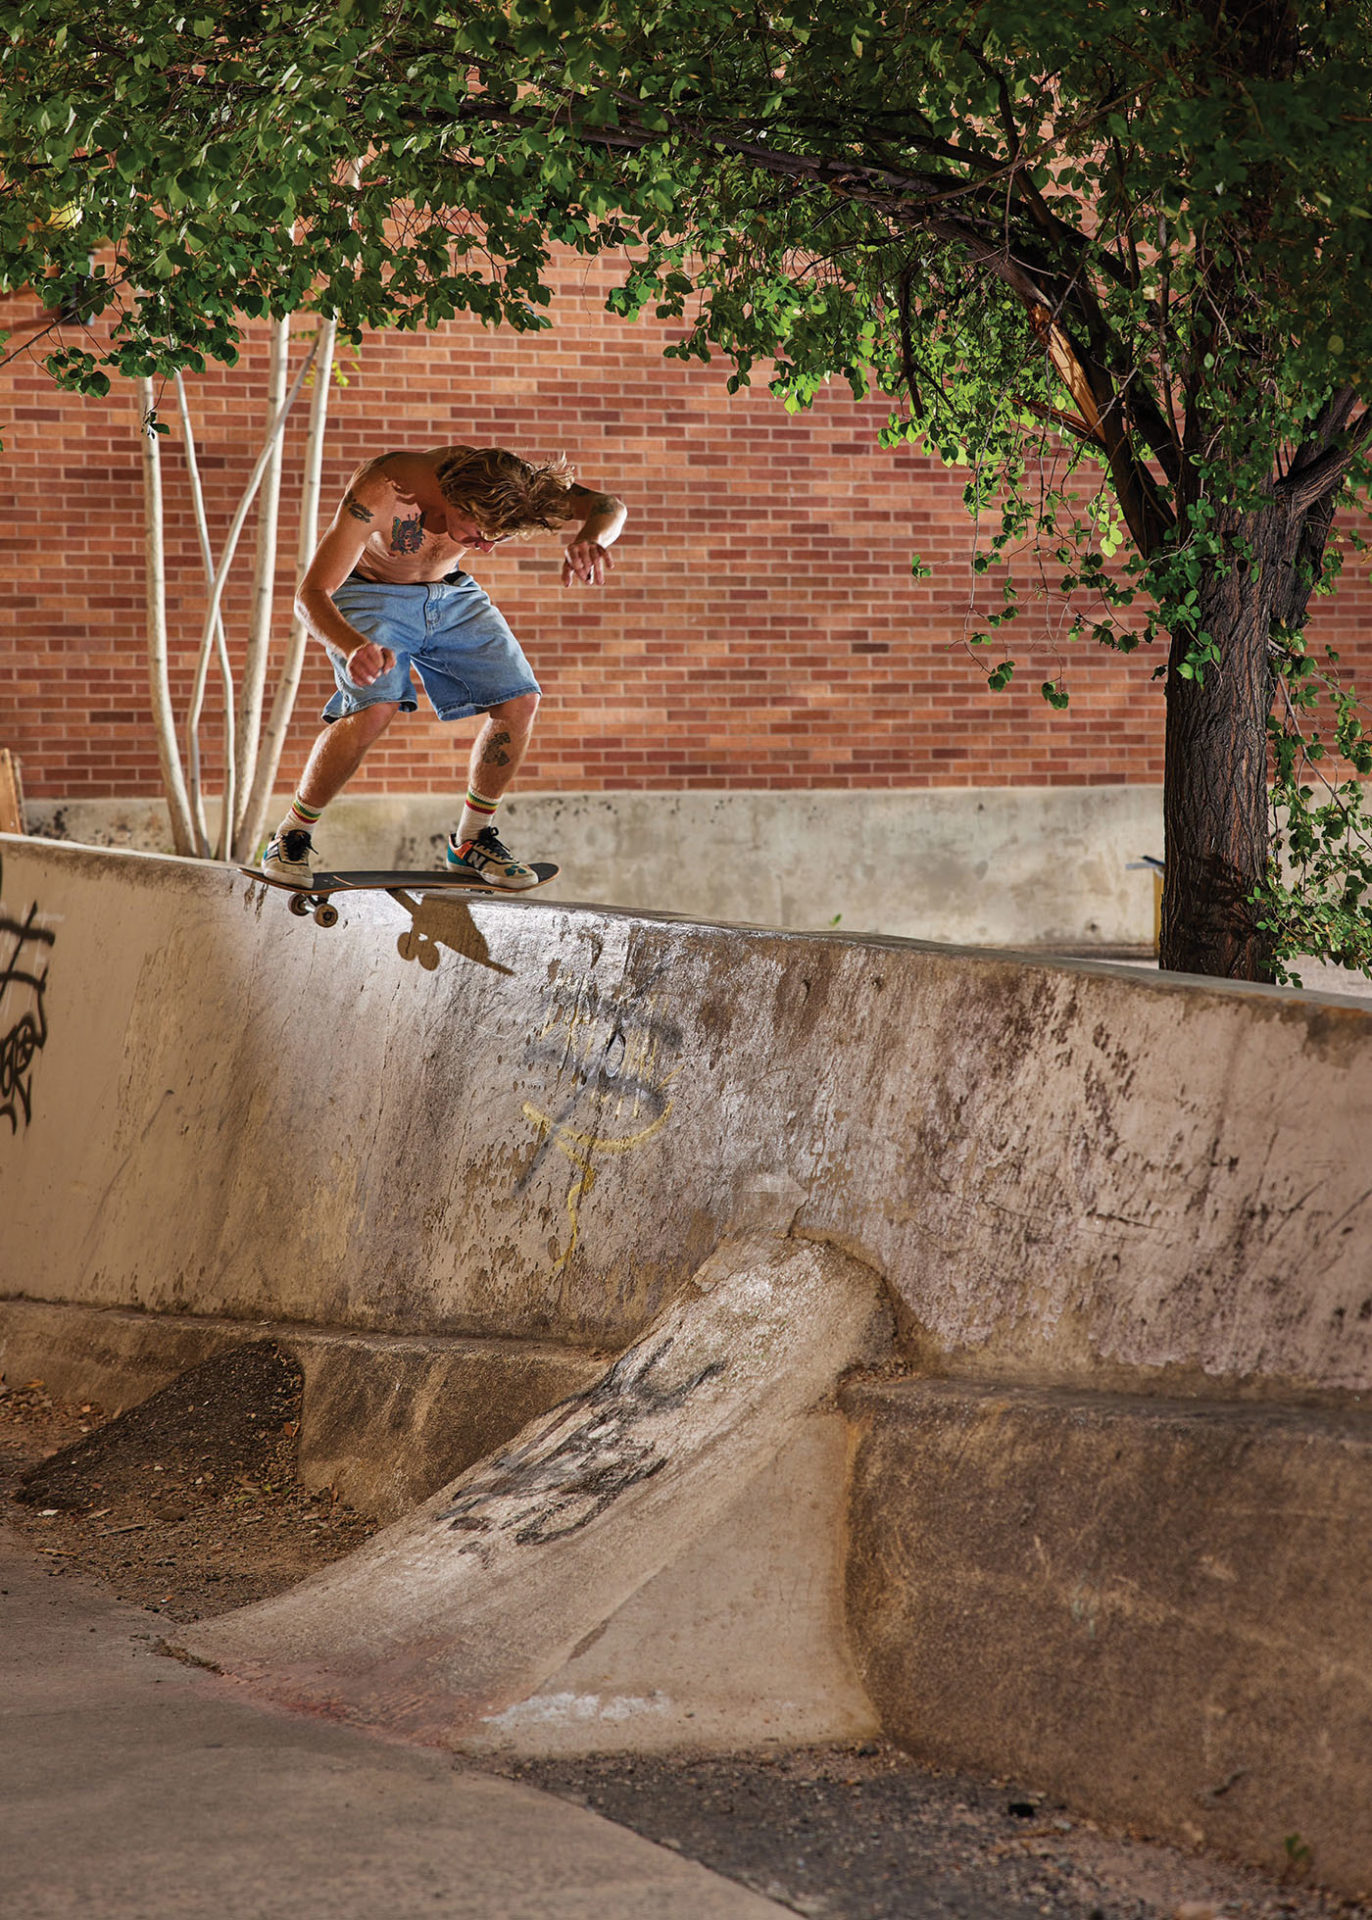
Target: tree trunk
{"x":202,"y":667}
{"x":231,"y":542}
{"x":283,"y":704}
{"x":252,"y":686}
{"x":173,"y":775}
{"x":1215,"y":784}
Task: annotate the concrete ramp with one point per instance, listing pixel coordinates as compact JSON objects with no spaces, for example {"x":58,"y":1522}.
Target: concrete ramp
{"x":447,"y":1621}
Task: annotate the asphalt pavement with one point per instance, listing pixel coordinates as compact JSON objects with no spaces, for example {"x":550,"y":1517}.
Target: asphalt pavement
{"x":137,"y":1788}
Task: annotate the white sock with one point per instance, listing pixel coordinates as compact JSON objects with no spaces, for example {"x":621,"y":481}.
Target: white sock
{"x":300,"y":819}
{"x":478,"y":812}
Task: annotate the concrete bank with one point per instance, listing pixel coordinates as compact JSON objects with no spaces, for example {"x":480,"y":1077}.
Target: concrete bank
{"x":525,"y":1128}
{"x":531,"y":1121}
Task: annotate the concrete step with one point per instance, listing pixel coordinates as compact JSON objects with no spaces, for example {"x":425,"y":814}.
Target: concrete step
{"x":1160,"y":1610}
{"x":385,"y":1419}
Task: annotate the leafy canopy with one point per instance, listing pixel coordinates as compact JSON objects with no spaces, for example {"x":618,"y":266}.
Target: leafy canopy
{"x":1113,"y":258}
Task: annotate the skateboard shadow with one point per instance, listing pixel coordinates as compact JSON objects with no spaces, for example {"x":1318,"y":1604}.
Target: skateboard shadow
{"x":439,"y":920}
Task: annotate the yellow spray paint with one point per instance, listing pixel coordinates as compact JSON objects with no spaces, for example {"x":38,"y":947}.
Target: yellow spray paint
{"x":637,"y":1082}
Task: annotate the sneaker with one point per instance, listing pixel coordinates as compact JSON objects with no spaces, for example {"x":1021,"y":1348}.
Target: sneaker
{"x":288,"y":857}
{"x":489,"y":860}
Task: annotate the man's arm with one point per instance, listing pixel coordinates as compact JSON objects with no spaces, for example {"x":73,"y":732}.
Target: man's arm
{"x":334,"y":559}
{"x":602,"y":516}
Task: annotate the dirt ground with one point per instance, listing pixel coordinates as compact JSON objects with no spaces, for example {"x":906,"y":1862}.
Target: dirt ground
{"x":189,"y":1505}
{"x":863,"y":1833}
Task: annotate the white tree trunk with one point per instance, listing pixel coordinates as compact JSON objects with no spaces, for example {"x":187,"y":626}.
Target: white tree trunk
{"x":173,"y":776}
{"x":252,"y":686}
{"x":274,"y":433}
{"x":254,"y":819}
{"x":192,"y":726}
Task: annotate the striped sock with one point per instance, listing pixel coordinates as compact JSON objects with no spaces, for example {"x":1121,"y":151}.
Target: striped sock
{"x":478,"y":813}
{"x":300,"y":818}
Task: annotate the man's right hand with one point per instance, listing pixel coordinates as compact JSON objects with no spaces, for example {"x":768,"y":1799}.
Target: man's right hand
{"x":367,"y":663}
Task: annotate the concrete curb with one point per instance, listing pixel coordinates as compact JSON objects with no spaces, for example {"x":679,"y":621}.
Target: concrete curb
{"x":385,"y":1419}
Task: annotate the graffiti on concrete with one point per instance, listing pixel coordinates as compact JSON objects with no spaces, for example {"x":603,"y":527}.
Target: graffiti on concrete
{"x":598,"y":1447}
{"x":22,"y":989}
{"x":612,"y":1060}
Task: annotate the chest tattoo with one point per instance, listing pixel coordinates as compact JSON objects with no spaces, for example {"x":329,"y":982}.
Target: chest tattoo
{"x":407,"y":536}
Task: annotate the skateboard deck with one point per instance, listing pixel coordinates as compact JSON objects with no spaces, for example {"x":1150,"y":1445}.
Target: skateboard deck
{"x":315,"y":897}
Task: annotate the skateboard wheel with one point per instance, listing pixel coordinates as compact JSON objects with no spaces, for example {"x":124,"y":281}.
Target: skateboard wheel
{"x":299,"y":903}
{"x":326,"y":915}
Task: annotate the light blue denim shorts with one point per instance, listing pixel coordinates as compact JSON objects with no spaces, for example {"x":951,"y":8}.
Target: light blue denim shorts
{"x":465,"y":653}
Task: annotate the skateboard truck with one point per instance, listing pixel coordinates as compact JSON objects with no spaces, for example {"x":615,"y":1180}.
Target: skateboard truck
{"x":325,"y":912}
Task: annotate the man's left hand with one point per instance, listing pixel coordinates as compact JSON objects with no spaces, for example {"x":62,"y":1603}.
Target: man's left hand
{"x":587,"y":561}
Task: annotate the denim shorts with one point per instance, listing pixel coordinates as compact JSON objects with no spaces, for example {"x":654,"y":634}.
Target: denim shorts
{"x":466,"y":655}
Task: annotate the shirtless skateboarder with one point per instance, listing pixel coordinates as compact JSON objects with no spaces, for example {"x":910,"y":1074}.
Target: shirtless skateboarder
{"x":385,"y":592}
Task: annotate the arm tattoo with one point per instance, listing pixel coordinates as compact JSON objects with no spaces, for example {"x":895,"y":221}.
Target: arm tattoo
{"x":352,"y":505}
{"x":581,"y":500}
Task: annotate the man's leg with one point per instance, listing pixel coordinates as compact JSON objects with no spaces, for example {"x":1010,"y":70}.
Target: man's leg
{"x":497,"y":753}
{"x":339,"y":752}
{"x":334,"y":758}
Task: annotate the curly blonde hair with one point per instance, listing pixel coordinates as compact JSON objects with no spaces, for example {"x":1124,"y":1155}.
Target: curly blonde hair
{"x":504,"y":494}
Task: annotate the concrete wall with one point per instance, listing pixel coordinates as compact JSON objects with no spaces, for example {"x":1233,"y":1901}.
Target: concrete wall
{"x":1166,"y":1605}
{"x":1110,"y":1526}
{"x":982,"y":866}
{"x":533,"y":1120}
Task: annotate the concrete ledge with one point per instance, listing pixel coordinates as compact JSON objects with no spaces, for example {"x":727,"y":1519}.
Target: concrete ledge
{"x":386,"y":1419}
{"x":1161,"y":1611}
{"x":999,"y":866}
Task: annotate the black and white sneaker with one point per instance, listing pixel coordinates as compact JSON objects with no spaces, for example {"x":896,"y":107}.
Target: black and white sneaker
{"x":489,"y":860}
{"x":289,"y":856}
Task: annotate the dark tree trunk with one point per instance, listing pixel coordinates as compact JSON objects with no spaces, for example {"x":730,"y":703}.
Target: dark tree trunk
{"x":1215,"y":799}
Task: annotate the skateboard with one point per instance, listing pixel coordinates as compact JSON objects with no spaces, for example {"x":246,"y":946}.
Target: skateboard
{"x":315,"y":897}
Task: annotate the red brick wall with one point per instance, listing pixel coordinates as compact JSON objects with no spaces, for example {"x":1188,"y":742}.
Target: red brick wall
{"x":761,"y":629}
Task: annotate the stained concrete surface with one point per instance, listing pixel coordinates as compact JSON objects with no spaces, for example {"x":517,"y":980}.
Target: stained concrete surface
{"x":1062,"y":1171}
{"x":1063,"y":1174}
{"x":135,"y":1788}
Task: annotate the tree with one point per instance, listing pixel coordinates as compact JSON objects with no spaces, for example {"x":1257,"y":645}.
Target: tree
{"x":1139,"y":231}
{"x":252,"y":749}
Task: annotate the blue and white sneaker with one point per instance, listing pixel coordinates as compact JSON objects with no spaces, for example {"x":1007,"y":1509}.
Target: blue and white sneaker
{"x":488,"y":860}
{"x":289,"y":856}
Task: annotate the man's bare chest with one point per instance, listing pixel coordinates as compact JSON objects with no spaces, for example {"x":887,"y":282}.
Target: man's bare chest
{"x":406,"y":542}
